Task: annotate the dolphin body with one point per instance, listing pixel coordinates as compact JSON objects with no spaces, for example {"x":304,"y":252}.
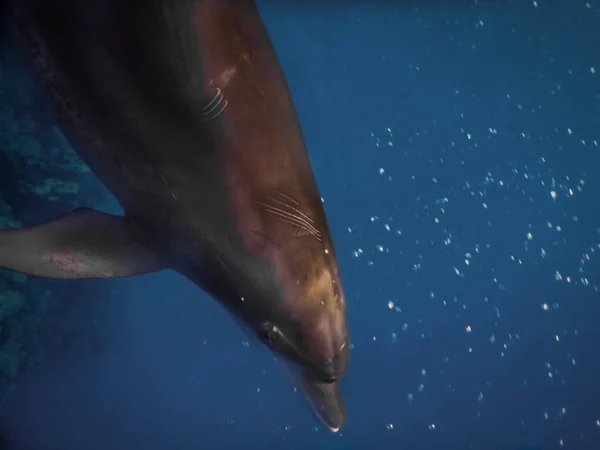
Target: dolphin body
{"x":182,"y":110}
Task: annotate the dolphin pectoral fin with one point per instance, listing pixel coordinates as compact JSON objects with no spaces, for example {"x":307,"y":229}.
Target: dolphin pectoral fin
{"x":82,"y":244}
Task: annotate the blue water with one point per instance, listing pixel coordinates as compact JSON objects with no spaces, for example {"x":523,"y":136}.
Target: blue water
{"x":456,"y":145}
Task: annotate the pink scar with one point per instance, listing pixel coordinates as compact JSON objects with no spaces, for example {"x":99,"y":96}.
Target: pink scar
{"x":67,"y":260}
{"x":225,"y":77}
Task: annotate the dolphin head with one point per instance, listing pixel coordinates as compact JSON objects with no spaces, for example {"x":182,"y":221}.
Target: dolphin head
{"x":282,"y":284}
{"x":289,"y":296}
{"x":308,"y":325}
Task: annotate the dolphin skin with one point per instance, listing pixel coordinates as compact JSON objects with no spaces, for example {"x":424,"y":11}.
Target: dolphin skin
{"x":182,"y":110}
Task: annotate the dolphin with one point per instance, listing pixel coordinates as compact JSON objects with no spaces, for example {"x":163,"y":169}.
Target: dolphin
{"x":182,"y":110}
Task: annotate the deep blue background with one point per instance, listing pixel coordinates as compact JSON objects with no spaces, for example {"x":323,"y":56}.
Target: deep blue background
{"x":438,"y":132}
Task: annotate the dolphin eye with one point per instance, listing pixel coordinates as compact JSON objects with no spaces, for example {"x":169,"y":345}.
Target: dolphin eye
{"x":265,"y":336}
{"x":268,"y":333}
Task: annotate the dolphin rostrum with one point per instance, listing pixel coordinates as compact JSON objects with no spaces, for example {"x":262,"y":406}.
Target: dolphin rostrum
{"x":182,"y":110}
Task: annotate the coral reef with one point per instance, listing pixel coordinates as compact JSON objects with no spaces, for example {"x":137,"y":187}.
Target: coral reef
{"x":40,"y":176}
{"x":20,"y":315}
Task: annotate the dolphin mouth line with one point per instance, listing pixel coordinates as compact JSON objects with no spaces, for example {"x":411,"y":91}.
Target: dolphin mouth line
{"x":325,"y":376}
{"x":322,"y":417}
